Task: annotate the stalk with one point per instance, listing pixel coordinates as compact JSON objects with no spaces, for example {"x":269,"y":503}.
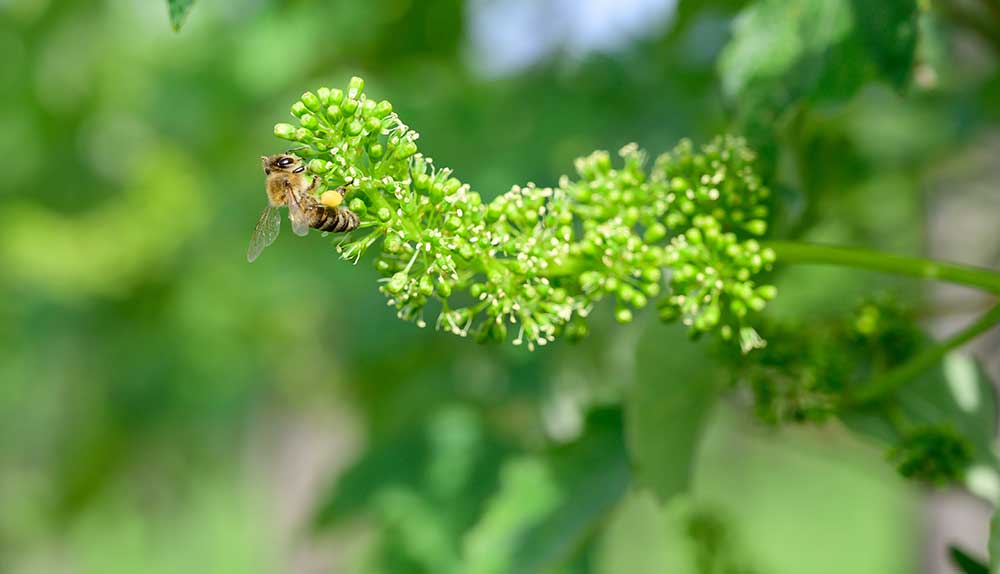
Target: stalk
{"x":810,"y":253}
{"x":889,"y":383}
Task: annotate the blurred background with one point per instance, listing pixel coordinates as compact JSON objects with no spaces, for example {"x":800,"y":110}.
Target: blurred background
{"x":167,"y":407}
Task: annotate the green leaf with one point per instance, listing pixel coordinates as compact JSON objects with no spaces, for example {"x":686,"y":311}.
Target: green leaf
{"x":888,"y":29}
{"x":771,"y":36}
{"x":967,"y":564}
{"x":666,"y":410}
{"x":817,"y":51}
{"x":179,"y":10}
{"x":593,"y":475}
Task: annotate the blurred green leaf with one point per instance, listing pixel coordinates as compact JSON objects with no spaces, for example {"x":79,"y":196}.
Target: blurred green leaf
{"x":966,"y":564}
{"x":771,"y":36}
{"x":667,"y":409}
{"x":637,"y":539}
{"x":593,"y":475}
{"x":398,"y":461}
{"x":888,"y":29}
{"x":179,"y":10}
{"x":526,"y":494}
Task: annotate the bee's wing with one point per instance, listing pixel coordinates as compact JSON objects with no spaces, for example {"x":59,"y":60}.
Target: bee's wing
{"x":265,"y":232}
{"x":300,"y":224}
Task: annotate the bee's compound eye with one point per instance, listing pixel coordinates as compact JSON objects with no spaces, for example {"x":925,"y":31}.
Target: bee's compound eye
{"x":285,"y":162}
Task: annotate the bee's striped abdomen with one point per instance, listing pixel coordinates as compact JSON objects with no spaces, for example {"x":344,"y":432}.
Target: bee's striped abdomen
{"x":337,"y":220}
{"x":329,"y":219}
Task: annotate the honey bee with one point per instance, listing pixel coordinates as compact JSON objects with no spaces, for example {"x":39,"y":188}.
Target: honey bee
{"x":289,"y":186}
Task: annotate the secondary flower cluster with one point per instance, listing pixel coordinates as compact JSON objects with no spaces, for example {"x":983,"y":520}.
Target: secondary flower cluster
{"x":536,"y":260}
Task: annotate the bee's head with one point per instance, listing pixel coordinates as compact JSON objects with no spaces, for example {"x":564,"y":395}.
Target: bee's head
{"x":285,"y":162}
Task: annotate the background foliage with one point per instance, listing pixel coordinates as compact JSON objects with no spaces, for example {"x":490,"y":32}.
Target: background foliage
{"x":165,"y":407}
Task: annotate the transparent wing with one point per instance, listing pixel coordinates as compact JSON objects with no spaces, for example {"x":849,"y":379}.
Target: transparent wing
{"x":300,"y":225}
{"x":265,"y":232}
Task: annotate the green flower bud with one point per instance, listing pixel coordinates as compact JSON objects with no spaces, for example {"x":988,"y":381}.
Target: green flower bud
{"x":421,"y":182}
{"x":626,"y":292}
{"x":355,"y":87}
{"x":298,"y":108}
{"x":336,"y":96}
{"x":738,"y":308}
{"x":623,"y":315}
{"x":452,"y":185}
{"x":373,"y":125}
{"x":655,"y":232}
{"x":375,"y":151}
{"x":358,"y":206}
{"x":577,"y":329}
{"x":443,"y":289}
{"x":311,"y":101}
{"x":384,"y":214}
{"x":355,"y":127}
{"x":324,"y":96}
{"x":393,"y":244}
{"x":756,"y":226}
{"x":368,"y":108}
{"x":349,"y":106}
{"x":652,"y":274}
{"x":319,"y":166}
{"x":666,"y":312}
{"x":426,"y":285}
{"x":383,"y":109}
{"x":768,"y":256}
{"x":334,"y":112}
{"x":285,"y":131}
{"x":493,"y":212}
{"x":694,"y":236}
{"x":397,"y":283}
{"x":309,"y":121}
{"x":405,"y":149}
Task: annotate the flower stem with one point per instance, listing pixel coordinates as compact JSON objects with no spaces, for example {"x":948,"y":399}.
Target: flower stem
{"x":810,"y":253}
{"x":884,"y":386}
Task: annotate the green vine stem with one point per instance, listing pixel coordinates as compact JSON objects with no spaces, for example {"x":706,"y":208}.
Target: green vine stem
{"x":883,"y":387}
{"x":808,"y":253}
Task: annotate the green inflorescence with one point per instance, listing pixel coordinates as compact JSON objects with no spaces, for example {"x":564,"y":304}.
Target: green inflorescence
{"x":534,"y":262}
{"x":936,"y":455}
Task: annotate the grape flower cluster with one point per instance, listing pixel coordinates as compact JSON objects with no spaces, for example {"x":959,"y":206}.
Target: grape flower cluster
{"x":533,"y":263}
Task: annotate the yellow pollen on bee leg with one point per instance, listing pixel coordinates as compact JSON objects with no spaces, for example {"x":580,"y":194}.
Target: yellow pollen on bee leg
{"x":331,"y":198}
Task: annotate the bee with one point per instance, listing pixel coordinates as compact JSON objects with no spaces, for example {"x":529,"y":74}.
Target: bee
{"x":289,"y":186}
